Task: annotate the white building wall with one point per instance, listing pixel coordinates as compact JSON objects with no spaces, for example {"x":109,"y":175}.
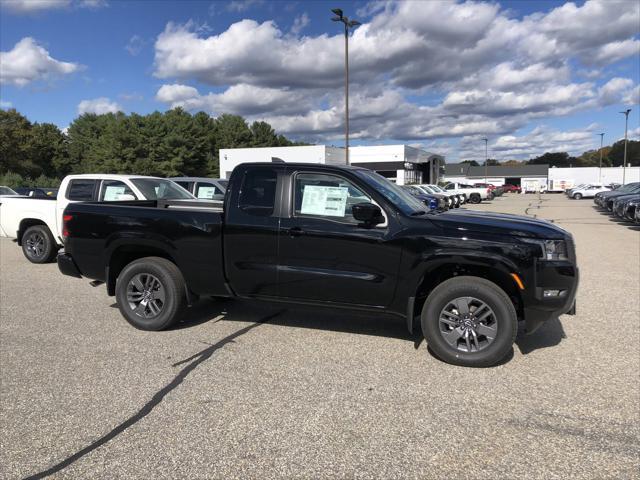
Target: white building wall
{"x":575,"y":176}
{"x":377,"y":153}
{"x":230,"y":158}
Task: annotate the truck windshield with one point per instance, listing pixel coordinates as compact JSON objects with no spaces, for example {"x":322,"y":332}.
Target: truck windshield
{"x":159,"y":189}
{"x":407,"y":203}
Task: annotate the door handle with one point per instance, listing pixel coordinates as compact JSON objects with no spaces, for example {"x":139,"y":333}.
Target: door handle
{"x":296,"y":232}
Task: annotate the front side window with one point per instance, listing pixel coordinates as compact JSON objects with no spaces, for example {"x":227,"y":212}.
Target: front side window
{"x":160,"y":189}
{"x":113,"y":191}
{"x":258,"y":192}
{"x":81,"y":190}
{"x":328,"y":196}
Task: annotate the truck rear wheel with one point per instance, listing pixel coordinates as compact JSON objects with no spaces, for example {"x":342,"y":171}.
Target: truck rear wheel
{"x":38,"y":245}
{"x":475,"y":198}
{"x":150,"y":293}
{"x":469,"y":321}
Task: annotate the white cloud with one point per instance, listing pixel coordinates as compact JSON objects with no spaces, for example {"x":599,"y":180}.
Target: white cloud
{"x":32,"y":6}
{"x":5,"y":104}
{"x":135,"y":45}
{"x":98,"y":106}
{"x":614,"y":51}
{"x":93,"y":4}
{"x":36,"y":6}
{"x":615,"y":90}
{"x":532,"y":144}
{"x":29,"y":62}
{"x":419,"y":70}
{"x":241,"y":6}
{"x":300,"y":23}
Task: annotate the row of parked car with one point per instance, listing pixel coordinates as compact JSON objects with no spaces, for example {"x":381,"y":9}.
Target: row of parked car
{"x":623,"y":202}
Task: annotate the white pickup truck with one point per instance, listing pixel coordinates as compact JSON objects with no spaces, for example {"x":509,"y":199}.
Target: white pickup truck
{"x":36,"y":223}
{"x":474,"y":194}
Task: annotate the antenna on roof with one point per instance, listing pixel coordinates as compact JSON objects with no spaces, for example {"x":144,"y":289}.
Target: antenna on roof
{"x":277,"y":160}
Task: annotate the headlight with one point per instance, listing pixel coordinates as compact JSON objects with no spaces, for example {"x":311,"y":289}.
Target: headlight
{"x":551,"y":249}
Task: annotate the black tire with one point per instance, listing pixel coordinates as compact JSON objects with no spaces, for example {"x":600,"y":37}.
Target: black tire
{"x":577,"y":196}
{"x":475,"y":198}
{"x":504,"y":316}
{"x":172,"y":287}
{"x":38,"y":244}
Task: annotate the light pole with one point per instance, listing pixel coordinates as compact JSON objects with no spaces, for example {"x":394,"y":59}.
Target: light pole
{"x":486,"y":159}
{"x":624,"y":162}
{"x":348,"y":24}
{"x":601,"y":143}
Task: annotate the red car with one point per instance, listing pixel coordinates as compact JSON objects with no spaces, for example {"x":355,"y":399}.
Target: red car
{"x":512,"y":188}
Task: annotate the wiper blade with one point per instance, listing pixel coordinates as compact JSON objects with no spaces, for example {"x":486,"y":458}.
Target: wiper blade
{"x":417,"y":213}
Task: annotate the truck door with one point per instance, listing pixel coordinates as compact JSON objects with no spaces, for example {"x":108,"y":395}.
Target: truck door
{"x":325,"y":254}
{"x":251,"y":232}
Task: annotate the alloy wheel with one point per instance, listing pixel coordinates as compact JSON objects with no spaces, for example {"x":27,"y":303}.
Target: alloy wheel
{"x":35,"y":245}
{"x":468,"y":324}
{"x":145,"y":295}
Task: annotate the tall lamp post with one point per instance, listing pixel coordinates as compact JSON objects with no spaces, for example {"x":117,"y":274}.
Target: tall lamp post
{"x":601,"y":143}
{"x":624,"y":162}
{"x":486,"y":159}
{"x":348,"y":24}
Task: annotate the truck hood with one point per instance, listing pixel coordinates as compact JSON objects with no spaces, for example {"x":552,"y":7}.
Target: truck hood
{"x":498,"y":224}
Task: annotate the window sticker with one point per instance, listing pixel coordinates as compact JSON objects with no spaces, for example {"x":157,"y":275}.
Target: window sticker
{"x":206,"y":192}
{"x":321,"y":200}
{"x":112,"y":193}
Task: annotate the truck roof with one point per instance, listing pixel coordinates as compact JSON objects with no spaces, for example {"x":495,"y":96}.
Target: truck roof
{"x":196,"y":179}
{"x":108,"y":176}
{"x":302,"y":165}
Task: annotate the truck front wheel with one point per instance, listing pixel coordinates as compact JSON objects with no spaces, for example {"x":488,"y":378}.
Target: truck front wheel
{"x":38,"y":244}
{"x":150,"y":293}
{"x":469,"y":321}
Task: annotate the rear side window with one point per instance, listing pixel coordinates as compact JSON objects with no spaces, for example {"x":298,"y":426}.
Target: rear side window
{"x":258,"y":192}
{"x":81,"y":190}
{"x":113,"y":190}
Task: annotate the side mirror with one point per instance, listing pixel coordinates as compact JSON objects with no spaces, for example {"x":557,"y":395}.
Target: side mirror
{"x":367,"y":213}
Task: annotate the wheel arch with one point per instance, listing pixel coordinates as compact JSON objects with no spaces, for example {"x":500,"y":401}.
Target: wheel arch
{"x":499,"y":274}
{"x":27,"y":223}
{"x":122,"y":255}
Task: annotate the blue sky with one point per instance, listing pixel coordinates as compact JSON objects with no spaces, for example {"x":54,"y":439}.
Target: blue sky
{"x":531,"y":76}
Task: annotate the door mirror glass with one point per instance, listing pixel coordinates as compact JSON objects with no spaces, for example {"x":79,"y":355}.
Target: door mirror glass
{"x":367,"y":213}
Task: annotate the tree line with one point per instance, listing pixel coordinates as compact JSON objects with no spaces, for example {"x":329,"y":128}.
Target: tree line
{"x":172,"y":143}
{"x":612,"y":156}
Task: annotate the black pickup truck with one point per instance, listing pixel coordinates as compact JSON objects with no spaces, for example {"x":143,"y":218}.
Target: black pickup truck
{"x":335,"y":236}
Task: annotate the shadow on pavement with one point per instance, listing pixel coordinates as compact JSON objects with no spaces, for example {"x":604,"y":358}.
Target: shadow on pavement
{"x":190,"y":364}
{"x":549,"y":334}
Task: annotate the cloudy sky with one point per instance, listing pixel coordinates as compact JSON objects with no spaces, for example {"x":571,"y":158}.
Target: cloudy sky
{"x":532,"y":76}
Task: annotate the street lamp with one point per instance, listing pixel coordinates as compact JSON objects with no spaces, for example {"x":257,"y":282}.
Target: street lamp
{"x":624,"y":162}
{"x":486,"y":159}
{"x":348,"y":24}
{"x":601,"y":142}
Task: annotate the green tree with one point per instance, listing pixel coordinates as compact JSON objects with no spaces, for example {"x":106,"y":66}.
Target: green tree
{"x":15,"y":138}
{"x":554,"y":159}
{"x":616,"y":154}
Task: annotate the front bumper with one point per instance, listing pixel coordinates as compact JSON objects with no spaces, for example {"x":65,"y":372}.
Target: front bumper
{"x":67,"y":266}
{"x":563,"y":276}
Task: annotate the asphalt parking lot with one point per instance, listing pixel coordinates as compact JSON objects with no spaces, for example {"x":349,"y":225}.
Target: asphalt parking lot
{"x":243,"y":390}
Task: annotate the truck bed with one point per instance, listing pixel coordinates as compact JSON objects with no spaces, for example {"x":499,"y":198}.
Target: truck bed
{"x":187,"y":232}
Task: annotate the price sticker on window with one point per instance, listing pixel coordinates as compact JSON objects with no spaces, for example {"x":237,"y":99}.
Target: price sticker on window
{"x":325,"y":201}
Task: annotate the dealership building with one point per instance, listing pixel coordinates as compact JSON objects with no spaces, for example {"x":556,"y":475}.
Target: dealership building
{"x":400,"y":163}
{"x":551,"y":178}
